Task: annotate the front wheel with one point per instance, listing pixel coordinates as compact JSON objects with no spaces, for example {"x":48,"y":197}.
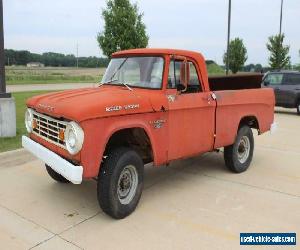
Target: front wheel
{"x":238,"y":156}
{"x":120,"y":182}
{"x":56,"y":176}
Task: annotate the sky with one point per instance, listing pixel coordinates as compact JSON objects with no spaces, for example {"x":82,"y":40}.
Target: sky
{"x":201,"y":25}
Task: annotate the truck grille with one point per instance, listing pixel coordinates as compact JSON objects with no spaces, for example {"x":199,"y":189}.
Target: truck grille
{"x":49,"y":128}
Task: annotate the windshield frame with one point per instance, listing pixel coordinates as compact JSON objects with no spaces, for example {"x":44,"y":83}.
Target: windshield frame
{"x":141,"y":55}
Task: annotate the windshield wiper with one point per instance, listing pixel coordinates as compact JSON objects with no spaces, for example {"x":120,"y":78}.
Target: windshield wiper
{"x":113,"y":75}
{"x":126,"y":85}
{"x":116,"y":80}
{"x":110,"y":81}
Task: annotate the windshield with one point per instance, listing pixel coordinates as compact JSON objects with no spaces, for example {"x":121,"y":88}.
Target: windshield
{"x":143,"y":72}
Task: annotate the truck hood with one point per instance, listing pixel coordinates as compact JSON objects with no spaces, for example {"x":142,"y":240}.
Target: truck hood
{"x":90,"y":103}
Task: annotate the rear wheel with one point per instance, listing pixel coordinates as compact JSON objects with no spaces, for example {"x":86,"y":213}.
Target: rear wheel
{"x":120,"y":182}
{"x":55,"y":176}
{"x":238,"y":156}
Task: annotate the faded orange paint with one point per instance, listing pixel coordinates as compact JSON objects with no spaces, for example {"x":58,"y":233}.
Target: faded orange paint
{"x":194,"y":123}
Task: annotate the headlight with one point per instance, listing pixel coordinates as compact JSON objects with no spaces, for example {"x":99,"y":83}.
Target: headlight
{"x":74,"y":137}
{"x":29,"y":120}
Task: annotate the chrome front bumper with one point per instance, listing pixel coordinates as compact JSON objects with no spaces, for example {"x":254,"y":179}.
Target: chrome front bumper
{"x":58,"y":164}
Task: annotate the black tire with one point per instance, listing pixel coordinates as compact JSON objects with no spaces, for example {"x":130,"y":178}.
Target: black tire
{"x":237,"y":157}
{"x":111,"y":182}
{"x":56,"y":176}
{"x":298,"y":107}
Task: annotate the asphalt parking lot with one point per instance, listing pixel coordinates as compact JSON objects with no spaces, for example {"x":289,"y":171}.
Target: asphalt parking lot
{"x":192,"y":204}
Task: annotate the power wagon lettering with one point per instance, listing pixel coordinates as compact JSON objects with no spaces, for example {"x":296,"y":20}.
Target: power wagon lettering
{"x":118,"y":108}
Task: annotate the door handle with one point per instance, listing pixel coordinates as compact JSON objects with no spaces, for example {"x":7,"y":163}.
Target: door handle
{"x":210,"y":98}
{"x":207,"y":99}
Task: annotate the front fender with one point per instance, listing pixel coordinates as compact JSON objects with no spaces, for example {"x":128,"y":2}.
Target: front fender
{"x":98,"y":132}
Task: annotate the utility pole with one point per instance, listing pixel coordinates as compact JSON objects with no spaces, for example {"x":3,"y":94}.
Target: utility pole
{"x":77,"y":55}
{"x":280,"y":27}
{"x":7,"y":103}
{"x":228,"y":37}
{"x":2,"y":57}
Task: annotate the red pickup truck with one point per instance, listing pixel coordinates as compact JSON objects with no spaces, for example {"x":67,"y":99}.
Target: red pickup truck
{"x":153,"y":105}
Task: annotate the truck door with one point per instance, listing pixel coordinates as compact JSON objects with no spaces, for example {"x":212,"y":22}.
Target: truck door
{"x":191,"y":115}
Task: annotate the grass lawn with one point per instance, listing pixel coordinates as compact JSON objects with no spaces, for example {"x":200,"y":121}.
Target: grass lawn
{"x":24,"y":75}
{"x":7,"y":144}
{"x":214,"y":70}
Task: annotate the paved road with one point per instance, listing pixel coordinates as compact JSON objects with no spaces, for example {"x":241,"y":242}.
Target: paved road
{"x":55,"y":86}
{"x":192,"y":204}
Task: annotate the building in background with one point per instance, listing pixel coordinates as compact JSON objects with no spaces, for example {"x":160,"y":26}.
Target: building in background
{"x":35,"y":65}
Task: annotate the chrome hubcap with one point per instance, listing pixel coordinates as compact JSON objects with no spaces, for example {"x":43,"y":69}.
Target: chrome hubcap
{"x":127,"y":184}
{"x":243,"y":149}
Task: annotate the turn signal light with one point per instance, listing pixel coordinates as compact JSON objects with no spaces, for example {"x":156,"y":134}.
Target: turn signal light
{"x":34,"y":124}
{"x":61,"y":135}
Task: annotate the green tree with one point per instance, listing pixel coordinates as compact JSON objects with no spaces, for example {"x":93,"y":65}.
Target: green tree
{"x":14,"y":57}
{"x":237,"y":55}
{"x":279,"y":53}
{"x":123,"y":29}
{"x":258,"y":68}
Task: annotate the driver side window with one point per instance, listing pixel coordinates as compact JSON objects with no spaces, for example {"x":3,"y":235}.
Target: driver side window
{"x":194,"y":84}
{"x":174,"y":74}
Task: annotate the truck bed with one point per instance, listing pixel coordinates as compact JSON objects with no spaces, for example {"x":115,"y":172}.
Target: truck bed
{"x":235,"y":82}
{"x":233,"y":105}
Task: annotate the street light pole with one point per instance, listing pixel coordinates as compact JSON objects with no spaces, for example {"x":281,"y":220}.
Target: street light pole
{"x":7,"y":103}
{"x":280,"y":27}
{"x":3,"y":93}
{"x":228,"y":37}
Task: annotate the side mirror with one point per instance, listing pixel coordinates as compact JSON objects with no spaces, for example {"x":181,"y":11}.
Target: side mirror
{"x":184,"y":76}
{"x":266,"y":83}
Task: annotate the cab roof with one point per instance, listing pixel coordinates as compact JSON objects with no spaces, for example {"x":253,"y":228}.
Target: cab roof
{"x":157,"y":51}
